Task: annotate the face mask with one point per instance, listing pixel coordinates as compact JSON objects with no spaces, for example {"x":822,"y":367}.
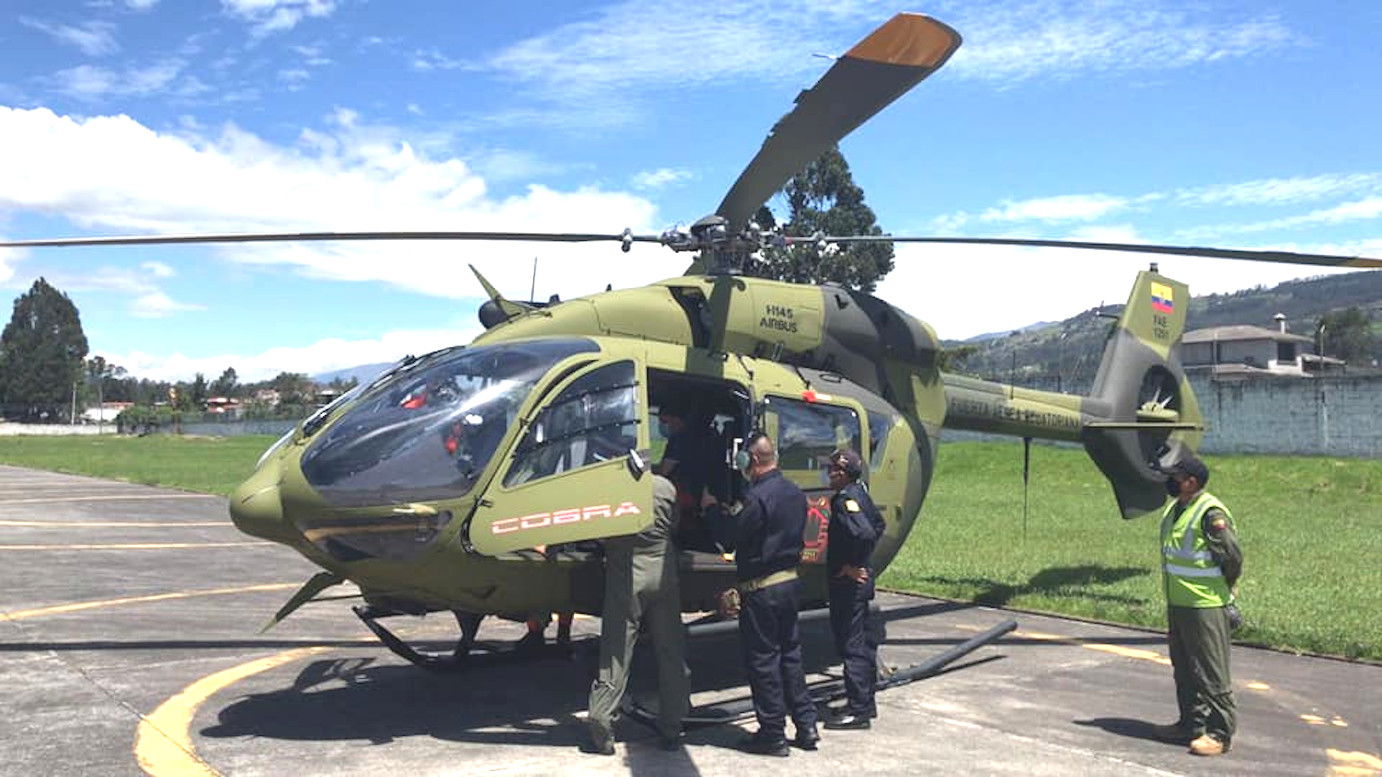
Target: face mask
{"x":1172,"y":486}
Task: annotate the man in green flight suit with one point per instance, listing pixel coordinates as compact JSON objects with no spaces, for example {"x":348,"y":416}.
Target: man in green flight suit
{"x":1201,"y":564}
{"x":641,"y":588}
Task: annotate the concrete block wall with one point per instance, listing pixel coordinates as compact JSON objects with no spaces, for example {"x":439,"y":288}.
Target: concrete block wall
{"x":1331,"y":416}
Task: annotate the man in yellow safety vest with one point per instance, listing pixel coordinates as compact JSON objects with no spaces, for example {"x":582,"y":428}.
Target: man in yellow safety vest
{"x":1201,"y":562}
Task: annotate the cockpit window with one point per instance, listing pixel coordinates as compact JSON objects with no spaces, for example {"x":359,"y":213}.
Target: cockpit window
{"x":426,"y":433}
{"x":592,"y":420}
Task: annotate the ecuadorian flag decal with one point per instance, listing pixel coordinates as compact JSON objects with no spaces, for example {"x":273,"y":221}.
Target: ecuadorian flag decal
{"x":1163,"y":300}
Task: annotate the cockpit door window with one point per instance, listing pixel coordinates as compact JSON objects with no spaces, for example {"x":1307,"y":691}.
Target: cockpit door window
{"x":574,"y":474}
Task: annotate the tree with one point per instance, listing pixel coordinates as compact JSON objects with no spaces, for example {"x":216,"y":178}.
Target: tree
{"x":41,"y":353}
{"x":227,"y":384}
{"x":101,"y":378}
{"x":197,"y":392}
{"x":1345,"y":334}
{"x":294,"y":388}
{"x":824,"y":198}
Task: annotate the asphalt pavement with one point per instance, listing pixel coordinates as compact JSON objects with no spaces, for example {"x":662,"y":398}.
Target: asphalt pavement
{"x":130,"y":645}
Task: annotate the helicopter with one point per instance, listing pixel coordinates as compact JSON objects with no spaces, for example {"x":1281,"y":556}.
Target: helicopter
{"x":479,"y":479}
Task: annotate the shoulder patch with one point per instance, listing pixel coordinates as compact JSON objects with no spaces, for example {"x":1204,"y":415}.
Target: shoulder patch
{"x":852,"y":506}
{"x":1217,"y":525}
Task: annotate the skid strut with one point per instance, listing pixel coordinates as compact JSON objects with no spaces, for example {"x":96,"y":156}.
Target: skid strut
{"x":441,"y":662}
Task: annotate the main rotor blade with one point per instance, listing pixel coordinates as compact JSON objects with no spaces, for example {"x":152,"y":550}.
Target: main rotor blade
{"x":1283,"y":257}
{"x":879,"y":69}
{"x":285,"y":237}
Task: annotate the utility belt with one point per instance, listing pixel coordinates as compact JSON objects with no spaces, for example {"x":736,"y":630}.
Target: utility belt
{"x":774,"y":578}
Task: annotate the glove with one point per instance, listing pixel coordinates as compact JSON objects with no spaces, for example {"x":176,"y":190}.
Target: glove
{"x":1235,"y":617}
{"x":729,"y":603}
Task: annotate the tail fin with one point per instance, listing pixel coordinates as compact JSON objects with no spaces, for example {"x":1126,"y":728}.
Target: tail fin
{"x":1141,"y":403}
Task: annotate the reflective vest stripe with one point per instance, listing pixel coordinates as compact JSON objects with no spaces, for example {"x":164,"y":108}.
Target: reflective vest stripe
{"x":1193,"y":571}
{"x":1192,"y":555}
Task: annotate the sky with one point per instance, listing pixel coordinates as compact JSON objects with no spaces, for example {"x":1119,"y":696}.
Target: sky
{"x":1233,"y":124}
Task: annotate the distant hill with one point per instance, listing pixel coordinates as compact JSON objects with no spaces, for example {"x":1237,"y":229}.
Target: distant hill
{"x":985,"y":337}
{"x":1064,"y":355}
{"x":362,"y":374}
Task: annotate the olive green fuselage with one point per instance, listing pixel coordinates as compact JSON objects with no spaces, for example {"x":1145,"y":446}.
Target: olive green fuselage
{"x":769,"y":354}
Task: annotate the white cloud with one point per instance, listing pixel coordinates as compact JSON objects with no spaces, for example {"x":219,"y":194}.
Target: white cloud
{"x":111,"y":173}
{"x":140,"y":5}
{"x":1358,"y":210}
{"x":1066,"y":207}
{"x":158,"y":269}
{"x":94,"y":39}
{"x":322,"y":356}
{"x":90,"y":82}
{"x":1008,"y":42}
{"x":270,"y":16}
{"x":145,"y":298}
{"x":663,"y":176}
{"x":1279,"y":191}
{"x":604,"y":62}
{"x":940,"y":284}
{"x":157,"y":304}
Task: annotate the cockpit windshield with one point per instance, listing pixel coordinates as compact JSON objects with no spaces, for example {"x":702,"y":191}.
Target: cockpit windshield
{"x":427,"y":431}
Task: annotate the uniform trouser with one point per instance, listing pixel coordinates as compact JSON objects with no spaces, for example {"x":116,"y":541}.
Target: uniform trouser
{"x":660,"y":611}
{"x":772,"y":656}
{"x":849,"y":614}
{"x":1198,"y":639}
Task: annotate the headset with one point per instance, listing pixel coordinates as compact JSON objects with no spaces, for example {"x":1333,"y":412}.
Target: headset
{"x":743,"y":458}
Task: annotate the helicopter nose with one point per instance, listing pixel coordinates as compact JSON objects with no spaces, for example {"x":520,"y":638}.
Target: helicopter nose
{"x":256,"y":508}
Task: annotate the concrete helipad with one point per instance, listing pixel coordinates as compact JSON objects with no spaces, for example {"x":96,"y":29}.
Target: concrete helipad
{"x":130,"y":645}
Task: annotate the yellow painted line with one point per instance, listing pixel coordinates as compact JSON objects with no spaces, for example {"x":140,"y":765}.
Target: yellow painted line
{"x":1117,"y":650}
{"x":134,"y":546}
{"x":163,"y":745}
{"x":1353,"y":762}
{"x":78,"y":606}
{"x":1339,"y":722}
{"x":109,"y":498}
{"x":1258,"y":685}
{"x":1314,"y":720}
{"x":1127,"y":652}
{"x":114,"y":524}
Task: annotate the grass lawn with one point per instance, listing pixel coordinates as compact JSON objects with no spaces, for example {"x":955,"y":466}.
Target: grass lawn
{"x":1311,"y":530}
{"x":210,"y":465}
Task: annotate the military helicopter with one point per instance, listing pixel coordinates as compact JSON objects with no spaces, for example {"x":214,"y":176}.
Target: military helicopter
{"x":475,"y":478}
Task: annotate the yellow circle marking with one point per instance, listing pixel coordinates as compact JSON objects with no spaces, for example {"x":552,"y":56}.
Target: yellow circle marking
{"x":1348,"y":763}
{"x":78,"y":606}
{"x":163,"y":743}
{"x":115,"y":524}
{"x":133,"y":546}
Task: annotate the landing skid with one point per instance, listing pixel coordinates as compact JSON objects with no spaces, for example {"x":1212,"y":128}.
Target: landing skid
{"x":822,"y":693}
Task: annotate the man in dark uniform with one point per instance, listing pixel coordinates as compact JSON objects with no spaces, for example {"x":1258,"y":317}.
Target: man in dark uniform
{"x":855,"y":526}
{"x":1201,"y":563}
{"x":766,"y":534}
{"x":641,"y":588}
